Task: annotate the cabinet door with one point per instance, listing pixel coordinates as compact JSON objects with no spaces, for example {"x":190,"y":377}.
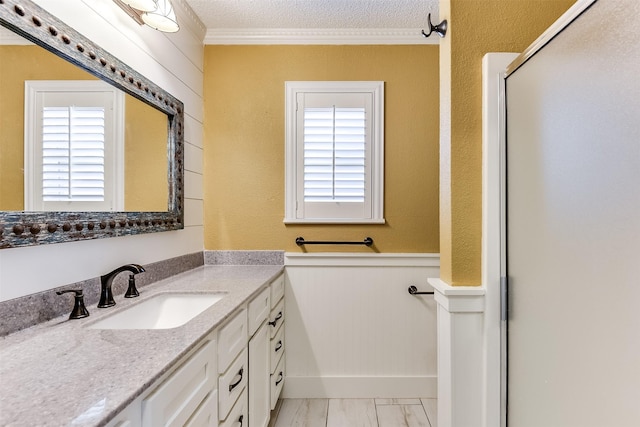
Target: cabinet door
{"x":258,"y":310}
{"x":277,"y":349}
{"x":239,"y":414}
{"x":276,"y":318}
{"x":232,"y":339}
{"x":277,"y":290}
{"x":207,"y":414}
{"x":231,"y":384}
{"x":175,"y":400}
{"x":259,"y":373}
{"x":277,"y":382}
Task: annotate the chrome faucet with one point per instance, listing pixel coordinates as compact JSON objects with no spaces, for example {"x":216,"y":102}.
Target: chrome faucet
{"x":106,"y":296}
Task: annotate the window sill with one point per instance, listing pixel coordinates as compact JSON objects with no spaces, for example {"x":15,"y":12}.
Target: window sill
{"x":334,"y":221}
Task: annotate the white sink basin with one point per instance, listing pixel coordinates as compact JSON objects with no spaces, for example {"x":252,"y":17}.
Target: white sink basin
{"x":163,"y":311}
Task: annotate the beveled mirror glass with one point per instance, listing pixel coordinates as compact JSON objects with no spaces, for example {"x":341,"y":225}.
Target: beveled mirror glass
{"x":151,"y":196}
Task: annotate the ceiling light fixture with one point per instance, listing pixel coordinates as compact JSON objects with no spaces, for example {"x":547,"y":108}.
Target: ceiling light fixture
{"x":158,"y":14}
{"x":142,"y":5}
{"x":163,"y":18}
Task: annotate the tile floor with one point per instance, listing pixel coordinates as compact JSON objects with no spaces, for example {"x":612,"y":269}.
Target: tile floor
{"x":356,"y":413}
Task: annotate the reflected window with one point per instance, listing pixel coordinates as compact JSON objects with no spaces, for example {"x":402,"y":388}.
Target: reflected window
{"x":75,"y":146}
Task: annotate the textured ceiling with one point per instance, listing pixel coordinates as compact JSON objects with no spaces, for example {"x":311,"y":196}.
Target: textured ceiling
{"x":314,"y":14}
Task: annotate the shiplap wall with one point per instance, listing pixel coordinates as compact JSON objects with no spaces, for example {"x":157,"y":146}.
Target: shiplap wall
{"x":353,"y":330}
{"x":173,"y":61}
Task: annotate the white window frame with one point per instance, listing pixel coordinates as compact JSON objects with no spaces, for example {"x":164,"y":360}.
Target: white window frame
{"x":374,"y":194}
{"x":114,"y":149}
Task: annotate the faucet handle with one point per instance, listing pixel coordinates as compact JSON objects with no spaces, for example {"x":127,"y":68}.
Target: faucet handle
{"x":132,"y":292}
{"x":79,"y":310}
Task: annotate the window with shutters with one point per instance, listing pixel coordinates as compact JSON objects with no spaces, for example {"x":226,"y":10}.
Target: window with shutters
{"x":334,"y":152}
{"x":73,"y":146}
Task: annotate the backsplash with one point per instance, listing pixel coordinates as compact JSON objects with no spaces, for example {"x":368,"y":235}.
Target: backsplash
{"x":244,"y":257}
{"x":30,"y":310}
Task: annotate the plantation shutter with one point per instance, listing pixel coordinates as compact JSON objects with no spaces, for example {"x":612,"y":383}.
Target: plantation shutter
{"x":73,"y":154}
{"x":334,"y":154}
{"x":334,"y":134}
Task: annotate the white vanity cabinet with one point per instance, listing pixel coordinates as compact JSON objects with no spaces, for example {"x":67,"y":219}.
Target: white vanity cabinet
{"x":232,"y":379}
{"x":266,"y":349}
{"x":187,"y":396}
{"x":232,"y":365}
{"x":259,"y":360}
{"x":276,"y":334}
{"x":177,"y":398}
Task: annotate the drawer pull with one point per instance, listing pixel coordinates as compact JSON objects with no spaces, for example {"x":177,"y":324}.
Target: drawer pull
{"x":280,"y":378}
{"x":275,"y":321}
{"x":241,"y":419}
{"x":278,"y":346}
{"x":234,"y":385}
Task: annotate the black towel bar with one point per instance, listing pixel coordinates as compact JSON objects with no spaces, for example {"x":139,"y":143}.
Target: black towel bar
{"x":368,"y":241}
{"x":414,"y":291}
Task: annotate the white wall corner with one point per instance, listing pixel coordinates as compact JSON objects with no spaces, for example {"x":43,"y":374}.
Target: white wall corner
{"x":188,"y":17}
{"x":460,"y":349}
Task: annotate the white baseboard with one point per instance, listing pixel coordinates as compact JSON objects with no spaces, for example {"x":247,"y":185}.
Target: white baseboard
{"x":360,"y":387}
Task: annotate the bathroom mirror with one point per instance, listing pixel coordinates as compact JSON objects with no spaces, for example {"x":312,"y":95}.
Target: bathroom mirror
{"x":151,"y":170}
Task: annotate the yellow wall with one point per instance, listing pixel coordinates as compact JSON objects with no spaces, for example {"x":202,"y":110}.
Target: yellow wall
{"x":476,"y":27}
{"x":244,"y":144}
{"x":145,"y":162}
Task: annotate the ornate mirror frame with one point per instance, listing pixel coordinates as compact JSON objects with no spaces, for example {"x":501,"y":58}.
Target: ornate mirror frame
{"x":36,"y":228}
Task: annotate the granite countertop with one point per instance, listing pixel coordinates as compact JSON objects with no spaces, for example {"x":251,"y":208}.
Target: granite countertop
{"x":63,"y":373}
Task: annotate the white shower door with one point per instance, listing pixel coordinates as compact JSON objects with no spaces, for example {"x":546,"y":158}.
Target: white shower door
{"x":573,"y":223}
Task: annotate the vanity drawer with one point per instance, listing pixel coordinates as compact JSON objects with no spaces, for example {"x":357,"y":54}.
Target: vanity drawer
{"x":277,"y":290}
{"x":207,"y":414}
{"x":277,"y":381}
{"x":231,"y":384}
{"x":277,"y":349}
{"x":238,"y":416}
{"x":232,"y":339}
{"x":258,"y":310}
{"x":173,"y":402}
{"x":276,"y":318}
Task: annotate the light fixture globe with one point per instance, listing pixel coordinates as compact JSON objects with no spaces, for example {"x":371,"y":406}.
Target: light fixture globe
{"x":163,"y":18}
{"x":142,"y":5}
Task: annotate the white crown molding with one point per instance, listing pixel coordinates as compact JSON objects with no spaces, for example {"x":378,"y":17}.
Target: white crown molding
{"x":318,"y":36}
{"x":184,"y":11}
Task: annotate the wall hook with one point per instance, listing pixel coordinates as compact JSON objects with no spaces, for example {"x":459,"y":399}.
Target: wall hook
{"x":440,"y":29}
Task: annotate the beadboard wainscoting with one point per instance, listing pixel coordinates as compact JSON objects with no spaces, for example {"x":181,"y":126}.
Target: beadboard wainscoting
{"x":354,"y":331}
